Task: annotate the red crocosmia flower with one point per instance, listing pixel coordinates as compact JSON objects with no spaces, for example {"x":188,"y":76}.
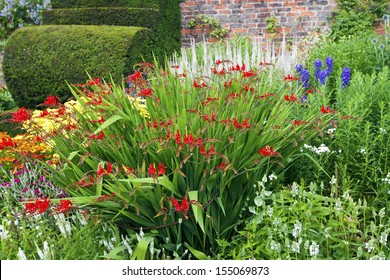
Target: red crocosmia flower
{"x":61,"y":111}
{"x":168,"y":136}
{"x":211,"y":151}
{"x":247,"y":74}
{"x":327,"y":110}
{"x":155,"y":124}
{"x":290,"y":98}
{"x":247,"y":88}
{"x":44,"y":113}
{"x":70,"y":126}
{"x":109,"y":168}
{"x":228,"y":84}
{"x":175,"y":66}
{"x":203,"y":150}
{"x":196,"y":85}
{"x":222,"y":166}
{"x":99,"y":136}
{"x":218,"y":62}
{"x":298,"y":122}
{"x":178,"y":138}
{"x":266,"y":95}
{"x":100,"y":171}
{"x":236,"y":123}
{"x":264,"y":63}
{"x":52,"y":101}
{"x":189,"y":139}
{"x":267,"y":151}
{"x":198,"y":141}
{"x":6,"y":142}
{"x":147,"y":92}
{"x":245,"y":124}
{"x":95,"y":82}
{"x":135,"y":76}
{"x":39,"y":206}
{"x":64,"y":206}
{"x":185,"y":206}
{"x":290,"y":78}
{"x":21,"y":115}
{"x":152,"y":170}
{"x":176,"y":205}
{"x":161,"y":168}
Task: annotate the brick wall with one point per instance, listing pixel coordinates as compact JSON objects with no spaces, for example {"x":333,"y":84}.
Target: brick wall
{"x":248,"y":17}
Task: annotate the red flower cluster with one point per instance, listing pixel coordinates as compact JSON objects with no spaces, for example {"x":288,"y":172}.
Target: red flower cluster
{"x":291,"y":98}
{"x":156,"y":124}
{"x":209,"y":100}
{"x":210,"y":118}
{"x":39,"y":206}
{"x":290,"y":78}
{"x":52,"y":100}
{"x":86,"y":182}
{"x":248,"y":74}
{"x":160,"y":169}
{"x":267,"y":151}
{"x":6,"y":142}
{"x":196,"y":85}
{"x":64,"y":206}
{"x":208,"y":153}
{"x":238,"y":68}
{"x":188,"y":140}
{"x":145,"y":92}
{"x":99,"y":136}
{"x":327,"y":110}
{"x":243,"y":125}
{"x":183,"y":207}
{"x":21,"y":115}
{"x":102,"y":172}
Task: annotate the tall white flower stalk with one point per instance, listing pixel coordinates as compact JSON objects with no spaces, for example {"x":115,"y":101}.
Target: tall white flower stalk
{"x":199,"y":59}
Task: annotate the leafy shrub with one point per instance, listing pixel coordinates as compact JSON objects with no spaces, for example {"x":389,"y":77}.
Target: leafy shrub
{"x":14,"y":14}
{"x":104,"y":16}
{"x":6,"y":101}
{"x":104,"y":3}
{"x":364,"y":52}
{"x":189,"y":161}
{"x":11,"y":128}
{"x":39,"y":61}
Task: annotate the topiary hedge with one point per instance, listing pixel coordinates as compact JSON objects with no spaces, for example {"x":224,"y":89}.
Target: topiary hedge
{"x":104,"y":16}
{"x":104,"y":3}
{"x":38,"y":61}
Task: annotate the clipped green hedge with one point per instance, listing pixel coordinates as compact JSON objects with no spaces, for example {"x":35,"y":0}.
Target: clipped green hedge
{"x":103,"y":16}
{"x":104,"y":3}
{"x":38,"y":61}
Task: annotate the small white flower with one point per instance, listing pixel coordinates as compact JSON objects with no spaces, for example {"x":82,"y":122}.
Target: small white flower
{"x":3,"y":233}
{"x":331,"y":130}
{"x":314,"y":249}
{"x":21,"y":254}
{"x":337,"y":205}
{"x":382,"y":130}
{"x":272,"y":177}
{"x":383,"y":238}
{"x":275,"y":246}
{"x":270,"y":211}
{"x":370,"y":245}
{"x":333,"y":180}
{"x":362,"y":151}
{"x":296,"y":246}
{"x":294,"y":189}
{"x":297,"y":229}
{"x":277,"y":222}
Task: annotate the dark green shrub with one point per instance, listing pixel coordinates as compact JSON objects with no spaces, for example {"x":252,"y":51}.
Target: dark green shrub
{"x":104,"y":3}
{"x":38,"y":61}
{"x":103,"y":16}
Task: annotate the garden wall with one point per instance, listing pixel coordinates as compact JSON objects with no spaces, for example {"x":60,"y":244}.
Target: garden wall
{"x":249,"y":17}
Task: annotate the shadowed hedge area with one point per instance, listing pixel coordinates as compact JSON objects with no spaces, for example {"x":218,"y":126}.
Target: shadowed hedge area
{"x":104,"y":3}
{"x":38,"y":61}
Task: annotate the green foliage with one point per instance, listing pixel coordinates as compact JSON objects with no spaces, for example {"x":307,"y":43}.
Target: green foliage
{"x":104,"y":3}
{"x":300,"y":222}
{"x":272,"y":24}
{"x":39,"y":61}
{"x":355,"y":16}
{"x":103,"y":16}
{"x":6,"y":101}
{"x":364,"y":52}
{"x":218,"y":172}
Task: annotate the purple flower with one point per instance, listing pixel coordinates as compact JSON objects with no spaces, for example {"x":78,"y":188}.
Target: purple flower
{"x":299,"y":68}
{"x":17,"y":181}
{"x":41,"y":178}
{"x":329,"y":64}
{"x":305,"y":78}
{"x":25,"y":190}
{"x":322,"y":75}
{"x":345,"y":77}
{"x":318,"y":66}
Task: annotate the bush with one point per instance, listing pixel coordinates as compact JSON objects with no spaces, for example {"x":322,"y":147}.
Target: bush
{"x":103,"y":16}
{"x":39,"y":61}
{"x":104,"y":3}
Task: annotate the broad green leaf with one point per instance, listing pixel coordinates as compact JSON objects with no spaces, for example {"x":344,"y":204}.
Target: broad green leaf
{"x":198,"y":213}
{"x":140,"y":250}
{"x":107,"y":123}
{"x":197,"y":254}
